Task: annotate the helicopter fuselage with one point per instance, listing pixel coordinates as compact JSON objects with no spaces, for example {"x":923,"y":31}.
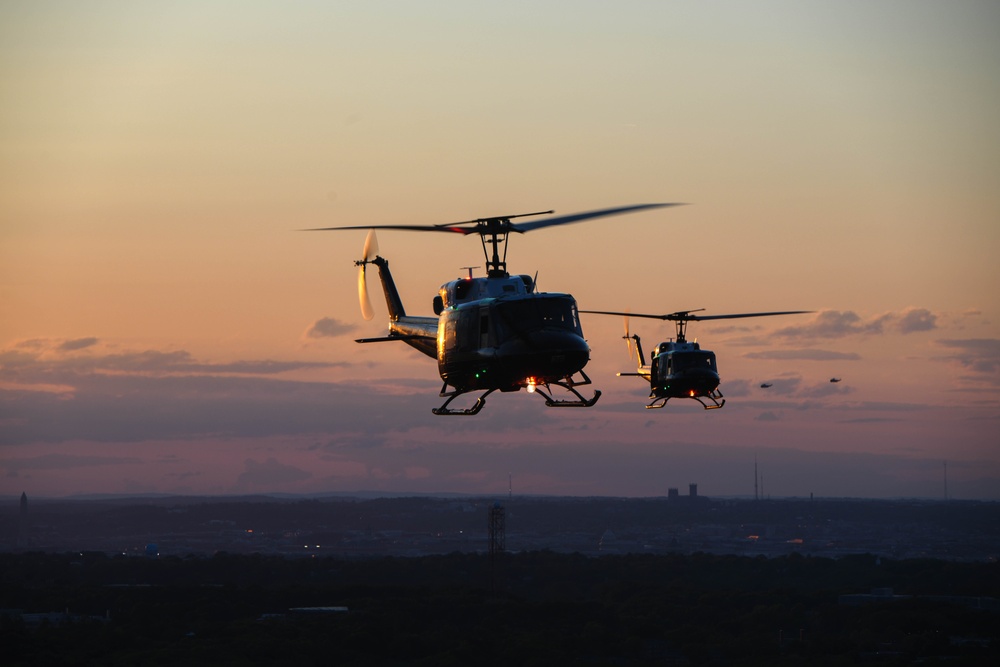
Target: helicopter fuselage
{"x":679,"y":369}
{"x":682,"y":370}
{"x":495,"y":333}
{"x":510,"y":342}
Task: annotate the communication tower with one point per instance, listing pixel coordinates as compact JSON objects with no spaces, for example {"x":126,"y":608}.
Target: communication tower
{"x":498,"y":539}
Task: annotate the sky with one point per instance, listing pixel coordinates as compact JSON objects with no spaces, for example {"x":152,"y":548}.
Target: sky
{"x":165,"y":327}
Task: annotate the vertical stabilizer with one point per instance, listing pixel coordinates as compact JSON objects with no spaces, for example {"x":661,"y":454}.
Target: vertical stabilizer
{"x":392,"y":300}
{"x":641,"y":358}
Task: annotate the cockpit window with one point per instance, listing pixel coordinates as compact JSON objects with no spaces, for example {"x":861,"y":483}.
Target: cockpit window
{"x":685,"y":360}
{"x":534,"y":314}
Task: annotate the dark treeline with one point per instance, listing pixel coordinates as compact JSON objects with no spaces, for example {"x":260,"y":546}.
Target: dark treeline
{"x":533,"y":608}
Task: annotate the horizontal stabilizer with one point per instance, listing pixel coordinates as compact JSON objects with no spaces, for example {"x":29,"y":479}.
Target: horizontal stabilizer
{"x":383,"y":339}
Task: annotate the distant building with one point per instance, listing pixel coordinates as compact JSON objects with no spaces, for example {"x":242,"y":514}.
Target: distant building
{"x":673,"y":494}
{"x":693,"y":490}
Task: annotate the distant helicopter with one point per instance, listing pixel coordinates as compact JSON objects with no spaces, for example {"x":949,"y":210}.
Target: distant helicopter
{"x":495,"y":332}
{"x":680,"y":369}
{"x":834,"y":379}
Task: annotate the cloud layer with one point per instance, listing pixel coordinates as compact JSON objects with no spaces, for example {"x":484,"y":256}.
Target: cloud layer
{"x":840,"y":324}
{"x":328,"y":327}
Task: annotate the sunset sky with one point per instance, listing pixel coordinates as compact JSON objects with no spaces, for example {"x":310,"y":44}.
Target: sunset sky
{"x":164,"y":327}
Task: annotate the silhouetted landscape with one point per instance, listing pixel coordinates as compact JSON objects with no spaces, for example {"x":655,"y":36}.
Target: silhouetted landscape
{"x":415,"y":526}
{"x":684,"y":580}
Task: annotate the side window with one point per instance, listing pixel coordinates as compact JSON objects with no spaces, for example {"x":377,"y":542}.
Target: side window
{"x":468,"y":329}
{"x":484,"y":329}
{"x":450,"y":330}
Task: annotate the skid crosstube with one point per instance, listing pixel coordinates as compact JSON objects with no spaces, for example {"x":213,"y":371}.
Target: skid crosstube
{"x":567,"y":383}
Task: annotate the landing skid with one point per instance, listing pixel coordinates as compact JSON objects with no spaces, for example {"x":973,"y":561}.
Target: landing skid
{"x":569,"y":385}
{"x":714,"y":397}
{"x":566,"y":383}
{"x":452,"y":395}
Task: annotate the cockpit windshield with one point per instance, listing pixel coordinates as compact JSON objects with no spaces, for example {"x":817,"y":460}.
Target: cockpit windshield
{"x":686,"y":360}
{"x":550,"y":312}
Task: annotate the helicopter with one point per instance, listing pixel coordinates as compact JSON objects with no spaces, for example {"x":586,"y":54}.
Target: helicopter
{"x":495,"y":332}
{"x":678,"y":368}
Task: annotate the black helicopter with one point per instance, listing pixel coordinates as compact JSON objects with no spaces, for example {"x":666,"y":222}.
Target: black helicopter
{"x":495,"y":332}
{"x":680,"y":369}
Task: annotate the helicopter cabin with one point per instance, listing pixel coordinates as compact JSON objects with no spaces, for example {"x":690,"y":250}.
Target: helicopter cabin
{"x":672,"y":358}
{"x":490,"y":328}
{"x":466,"y":290}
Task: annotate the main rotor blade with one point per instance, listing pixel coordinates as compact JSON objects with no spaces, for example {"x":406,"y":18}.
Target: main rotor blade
{"x":623,"y":314}
{"x":495,"y":217}
{"x":451,"y":227}
{"x":479,"y":225}
{"x":407,"y":228}
{"x":586,"y":215}
{"x":688,"y":317}
{"x":699,"y":318}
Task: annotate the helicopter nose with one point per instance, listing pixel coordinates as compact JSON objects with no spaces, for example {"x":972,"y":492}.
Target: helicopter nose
{"x":558,"y":341}
{"x":549,"y":354}
{"x":703,"y":379}
{"x":563,"y":351}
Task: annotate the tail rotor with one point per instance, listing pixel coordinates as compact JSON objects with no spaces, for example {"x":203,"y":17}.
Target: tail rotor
{"x":370,"y":250}
{"x":628,"y":339}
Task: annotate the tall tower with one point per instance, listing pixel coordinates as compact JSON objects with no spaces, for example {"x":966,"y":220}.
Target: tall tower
{"x":498,"y":529}
{"x":498,"y":539}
